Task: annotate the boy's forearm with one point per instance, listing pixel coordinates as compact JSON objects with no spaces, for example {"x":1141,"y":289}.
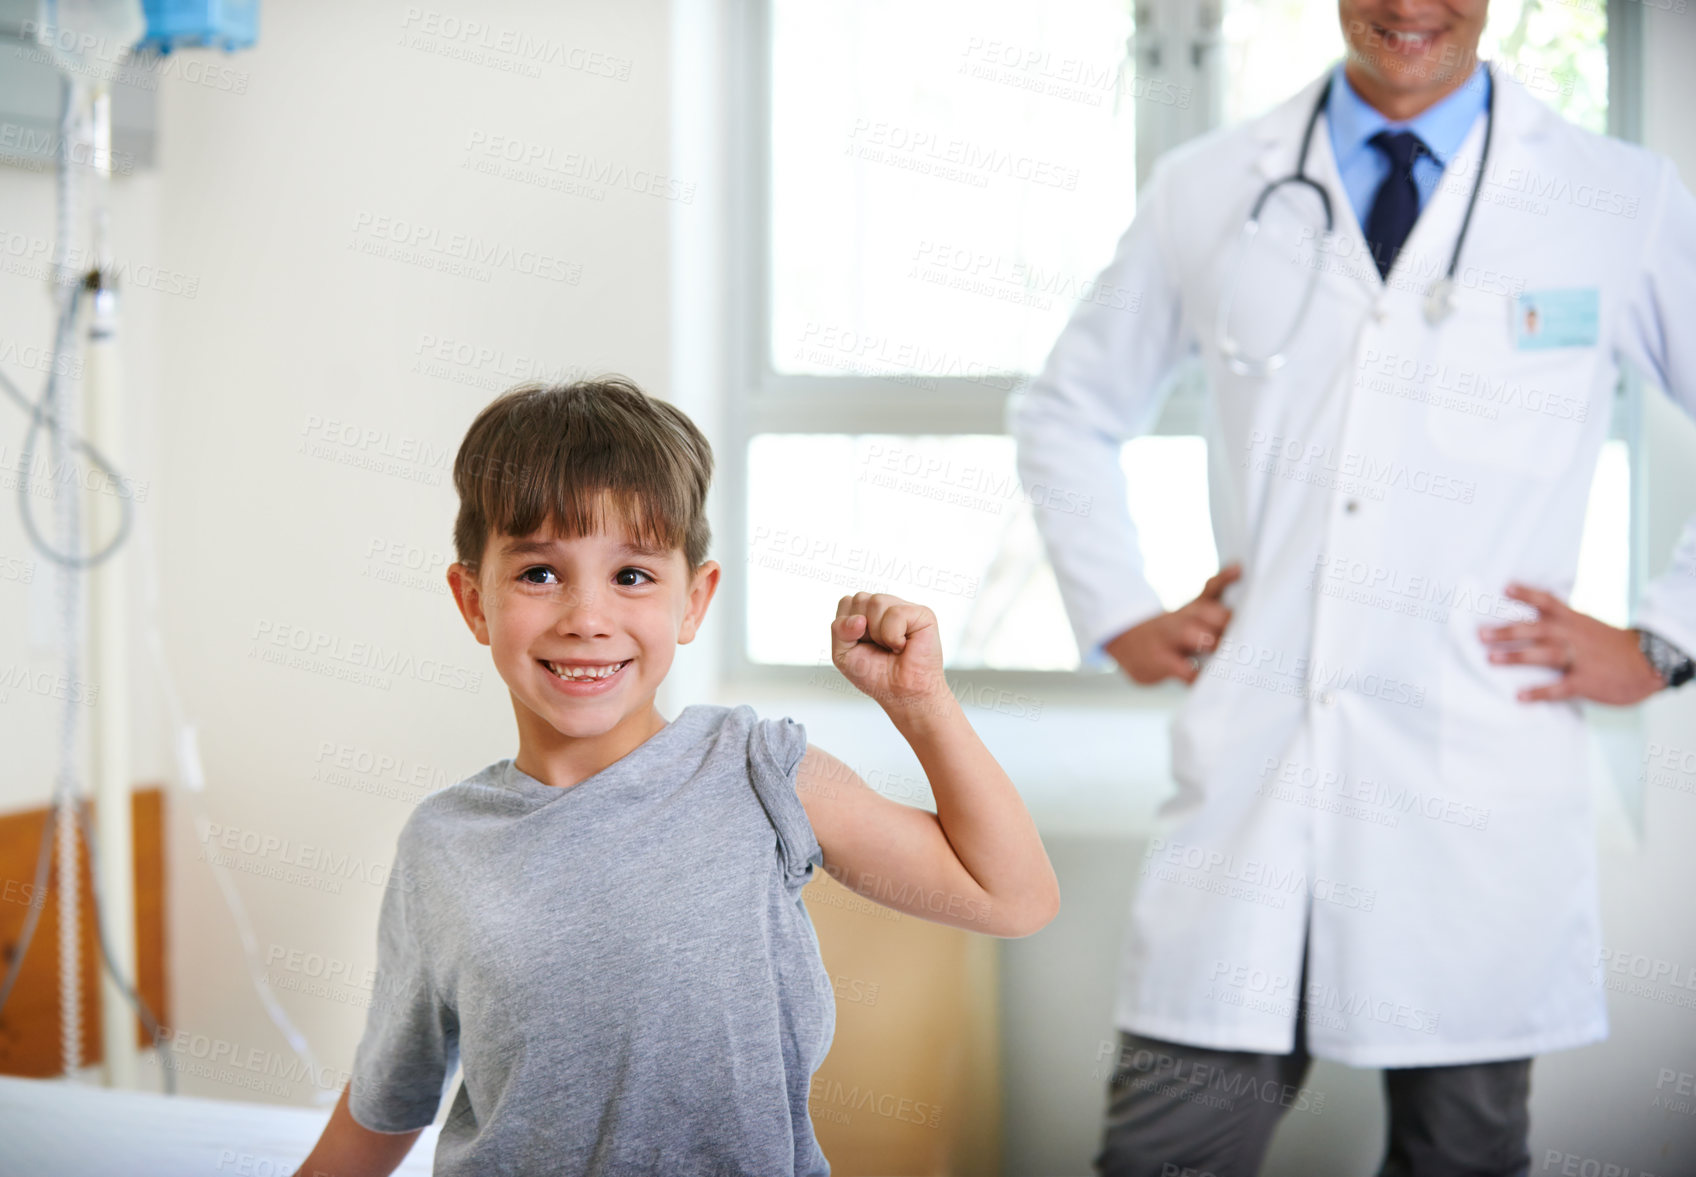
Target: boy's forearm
{"x":980,"y":811}
{"x":349,"y":1149}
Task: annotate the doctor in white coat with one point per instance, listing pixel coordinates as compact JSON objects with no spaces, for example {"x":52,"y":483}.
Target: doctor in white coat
{"x":1381,"y":847}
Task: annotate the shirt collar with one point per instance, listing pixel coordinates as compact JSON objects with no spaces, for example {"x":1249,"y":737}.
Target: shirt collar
{"x":1442,"y":127}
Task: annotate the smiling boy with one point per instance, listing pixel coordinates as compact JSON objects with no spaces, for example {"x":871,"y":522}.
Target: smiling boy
{"x":606,"y":930}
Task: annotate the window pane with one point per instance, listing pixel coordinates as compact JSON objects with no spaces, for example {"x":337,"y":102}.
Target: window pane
{"x":942,"y":521}
{"x":948,"y":178}
{"x":1558,"y":51}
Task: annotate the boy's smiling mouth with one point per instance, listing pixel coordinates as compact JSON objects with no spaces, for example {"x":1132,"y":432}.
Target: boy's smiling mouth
{"x":584,"y":672}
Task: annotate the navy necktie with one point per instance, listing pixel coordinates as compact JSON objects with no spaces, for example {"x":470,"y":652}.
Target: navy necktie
{"x":1396,"y":205}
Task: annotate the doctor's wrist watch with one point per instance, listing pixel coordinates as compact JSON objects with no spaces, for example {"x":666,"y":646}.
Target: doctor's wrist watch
{"x":1673,"y":665}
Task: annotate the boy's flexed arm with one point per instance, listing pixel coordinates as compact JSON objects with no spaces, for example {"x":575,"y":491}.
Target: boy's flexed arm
{"x":977,"y":862}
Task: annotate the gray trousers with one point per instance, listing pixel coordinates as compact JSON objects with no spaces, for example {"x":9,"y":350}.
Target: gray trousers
{"x":1188,"y":1111}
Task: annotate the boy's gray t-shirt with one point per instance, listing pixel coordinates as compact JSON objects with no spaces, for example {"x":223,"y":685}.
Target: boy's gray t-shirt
{"x":624,"y":968}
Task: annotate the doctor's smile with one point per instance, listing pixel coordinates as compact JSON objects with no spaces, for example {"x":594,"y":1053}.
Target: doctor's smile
{"x":1417,"y":42}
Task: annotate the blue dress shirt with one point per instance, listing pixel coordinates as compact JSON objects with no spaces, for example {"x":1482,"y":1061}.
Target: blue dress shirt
{"x":1442,"y":127}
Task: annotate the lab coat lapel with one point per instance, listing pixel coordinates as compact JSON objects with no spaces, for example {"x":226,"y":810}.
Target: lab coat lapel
{"x":1280,"y":144}
{"x":1521,"y":117}
{"x":1350,"y":245}
{"x":1279,"y":133}
{"x":1516,"y":151}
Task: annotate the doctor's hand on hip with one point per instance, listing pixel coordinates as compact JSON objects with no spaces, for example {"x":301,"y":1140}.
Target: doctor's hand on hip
{"x":1165,"y":646}
{"x":1597,"y":661}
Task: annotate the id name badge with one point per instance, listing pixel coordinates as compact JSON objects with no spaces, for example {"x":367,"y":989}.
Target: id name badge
{"x":1557,"y":318}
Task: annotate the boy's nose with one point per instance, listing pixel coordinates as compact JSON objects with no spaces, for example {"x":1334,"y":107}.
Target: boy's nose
{"x":581,"y":615}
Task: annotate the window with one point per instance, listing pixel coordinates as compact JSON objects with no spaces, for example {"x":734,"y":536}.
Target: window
{"x":934,"y":187}
{"x":946,"y":178}
{"x":942,"y":520}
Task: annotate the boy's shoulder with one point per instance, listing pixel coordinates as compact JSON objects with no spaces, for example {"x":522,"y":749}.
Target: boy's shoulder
{"x":738,"y":730}
{"x":714,"y":724}
{"x":730,"y":717}
{"x":705,"y":726}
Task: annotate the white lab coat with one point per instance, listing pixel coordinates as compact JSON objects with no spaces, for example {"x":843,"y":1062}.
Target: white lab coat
{"x":1350,"y":767}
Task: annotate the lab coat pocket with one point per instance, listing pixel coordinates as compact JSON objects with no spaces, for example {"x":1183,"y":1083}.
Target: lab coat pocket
{"x":1490,"y":404}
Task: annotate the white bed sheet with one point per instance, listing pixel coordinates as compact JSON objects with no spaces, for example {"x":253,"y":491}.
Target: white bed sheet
{"x":51,"y":1128}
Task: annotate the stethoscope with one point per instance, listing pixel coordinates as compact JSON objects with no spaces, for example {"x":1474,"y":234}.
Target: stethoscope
{"x":1439,"y":300}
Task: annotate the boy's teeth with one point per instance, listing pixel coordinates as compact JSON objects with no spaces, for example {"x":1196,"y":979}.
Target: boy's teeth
{"x":586,"y":672}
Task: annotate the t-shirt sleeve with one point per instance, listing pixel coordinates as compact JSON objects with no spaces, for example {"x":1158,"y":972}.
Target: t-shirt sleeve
{"x":411,"y":1042}
{"x":775,"y":748}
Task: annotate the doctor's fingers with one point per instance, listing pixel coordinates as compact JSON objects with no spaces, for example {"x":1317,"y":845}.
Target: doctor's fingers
{"x":1519,"y":631}
{"x":1195,"y":636}
{"x":1178,"y":666}
{"x":1544,"y":602}
{"x":1210,"y":613}
{"x":1555,"y":653}
{"x":1564,"y":687}
{"x":1216,"y":583}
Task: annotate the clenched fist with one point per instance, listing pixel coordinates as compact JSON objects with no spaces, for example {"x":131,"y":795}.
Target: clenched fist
{"x":888,"y":648}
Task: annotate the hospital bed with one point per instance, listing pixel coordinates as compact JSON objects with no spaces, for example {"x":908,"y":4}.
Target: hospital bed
{"x":51,"y":1128}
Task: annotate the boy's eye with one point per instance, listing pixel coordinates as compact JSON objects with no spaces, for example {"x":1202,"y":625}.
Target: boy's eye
{"x":525,"y":576}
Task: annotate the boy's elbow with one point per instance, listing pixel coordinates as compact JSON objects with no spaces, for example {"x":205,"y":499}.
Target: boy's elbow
{"x":1050,"y":909}
{"x":1031,"y":917}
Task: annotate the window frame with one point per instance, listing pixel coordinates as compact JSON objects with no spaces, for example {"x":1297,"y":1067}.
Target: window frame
{"x":762,"y":400}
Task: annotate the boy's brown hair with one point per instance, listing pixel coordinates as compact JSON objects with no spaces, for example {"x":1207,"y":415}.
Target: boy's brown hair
{"x":539,"y":453}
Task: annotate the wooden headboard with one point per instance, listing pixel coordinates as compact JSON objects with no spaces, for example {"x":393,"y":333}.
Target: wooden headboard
{"x":29,"y":1024}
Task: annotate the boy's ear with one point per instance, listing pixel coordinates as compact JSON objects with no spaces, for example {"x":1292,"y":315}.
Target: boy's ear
{"x":469,"y":597}
{"x":701,"y":591}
